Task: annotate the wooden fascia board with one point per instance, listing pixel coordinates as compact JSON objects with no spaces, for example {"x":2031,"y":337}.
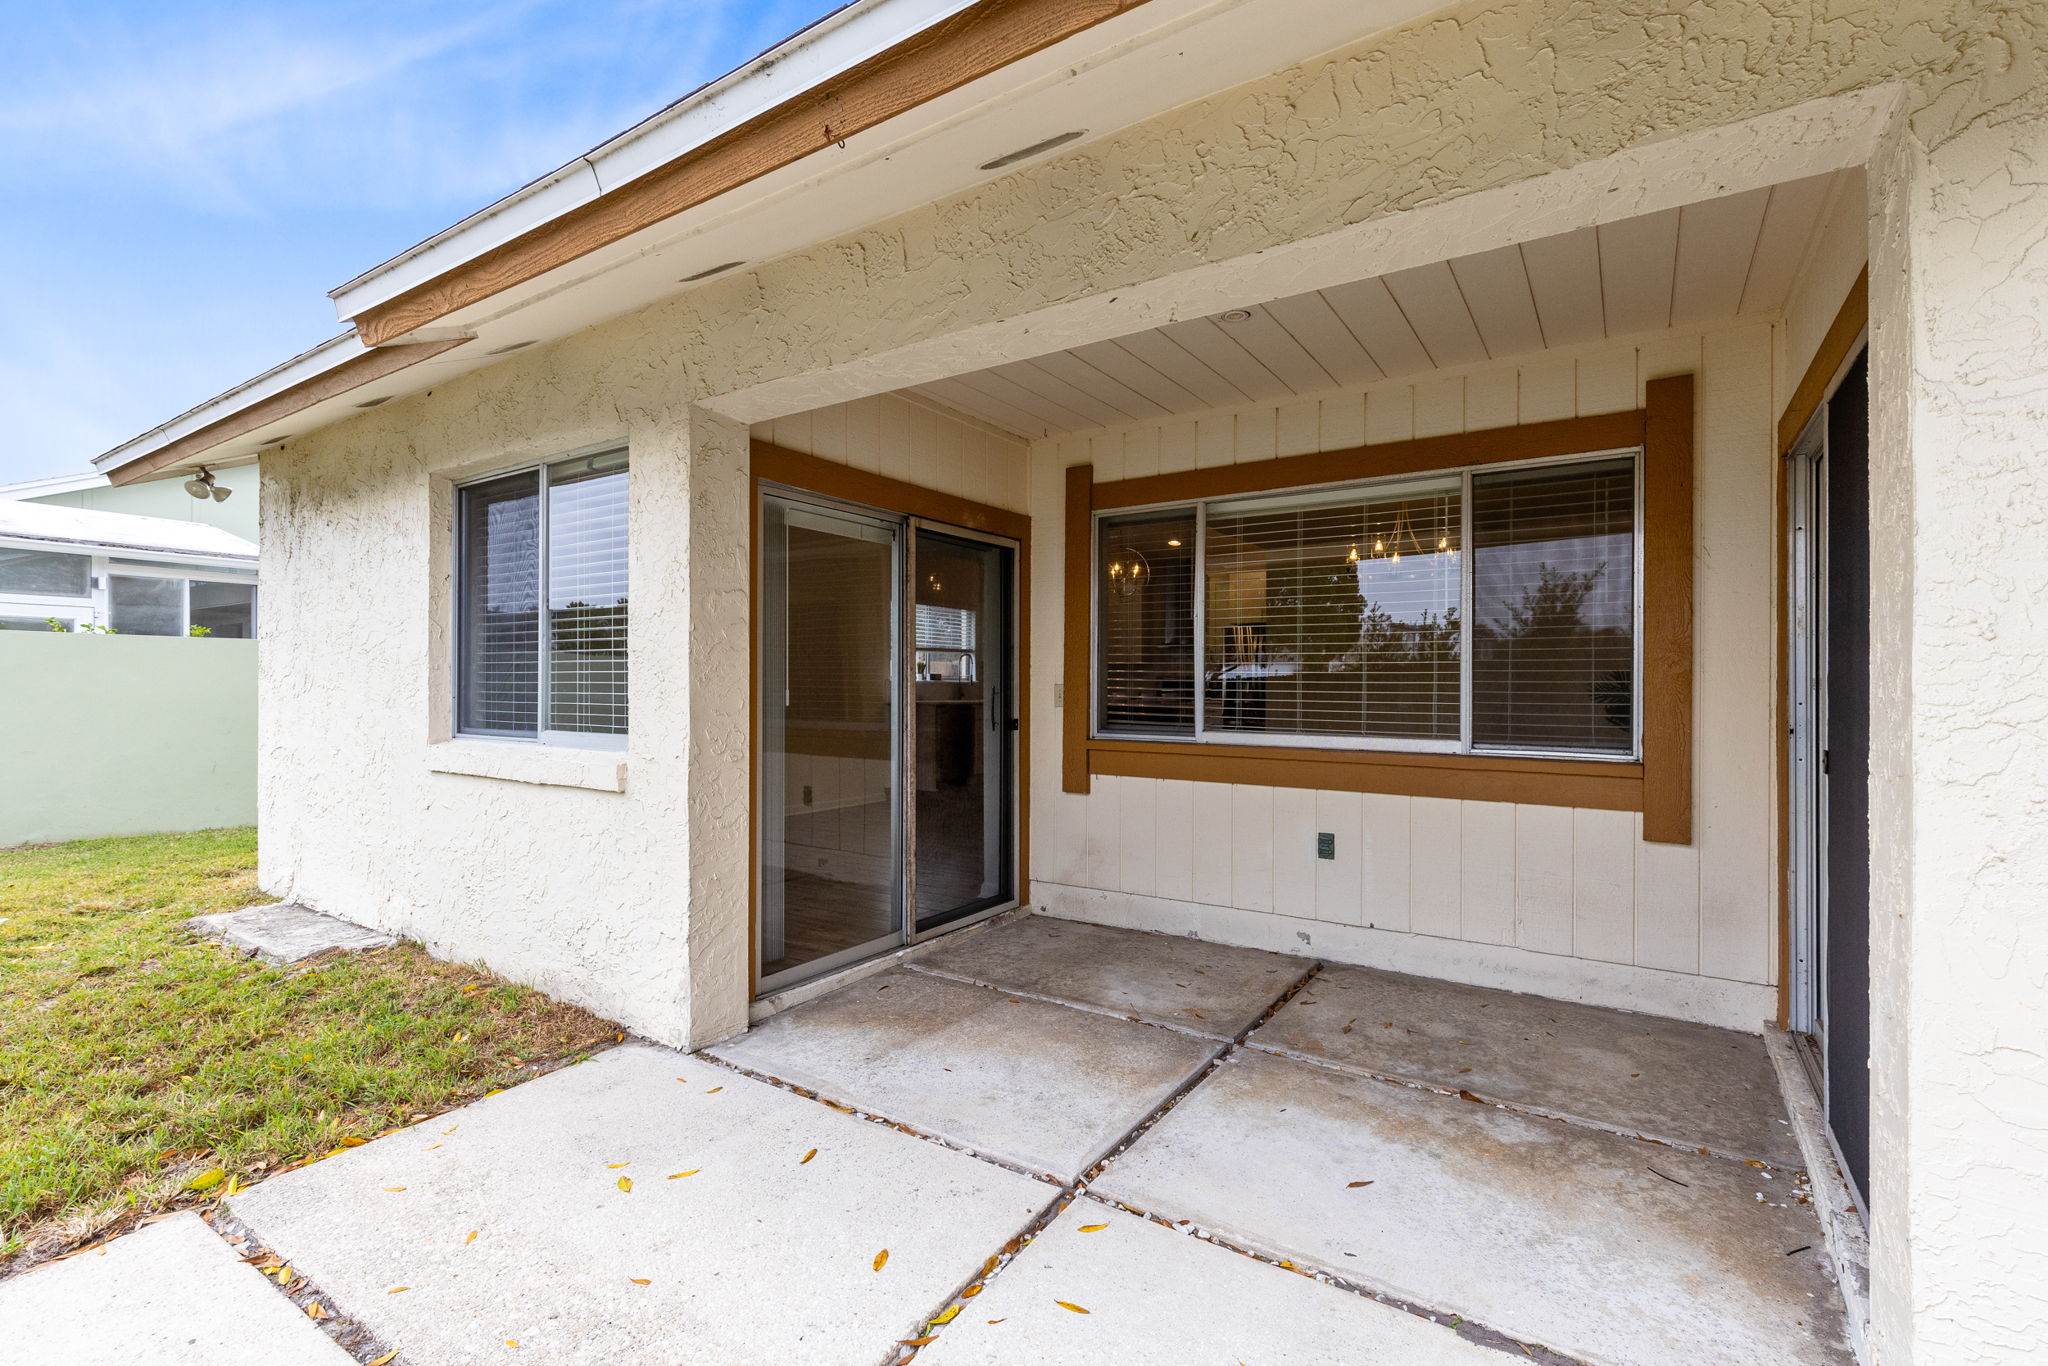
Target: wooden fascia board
{"x":350,"y":374}
{"x":979,"y":40}
{"x":1833,"y":353}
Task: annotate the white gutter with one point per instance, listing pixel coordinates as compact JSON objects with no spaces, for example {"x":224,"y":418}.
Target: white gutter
{"x":49,"y":486}
{"x":838,"y":42}
{"x":328,"y":355}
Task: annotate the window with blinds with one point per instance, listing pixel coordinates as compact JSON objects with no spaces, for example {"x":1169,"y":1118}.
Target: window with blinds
{"x":1466,"y":610}
{"x":1553,"y":598}
{"x":554,"y":534}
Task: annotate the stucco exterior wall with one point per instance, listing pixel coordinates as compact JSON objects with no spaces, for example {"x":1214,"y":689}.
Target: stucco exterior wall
{"x":1534,"y":898}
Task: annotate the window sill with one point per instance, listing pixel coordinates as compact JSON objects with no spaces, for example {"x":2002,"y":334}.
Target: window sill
{"x":1598,"y":784}
{"x":597,"y":770}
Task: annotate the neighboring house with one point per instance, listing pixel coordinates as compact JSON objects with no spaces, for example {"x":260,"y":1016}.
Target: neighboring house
{"x":124,"y":735}
{"x":1537,"y":494}
{"x":165,"y":498}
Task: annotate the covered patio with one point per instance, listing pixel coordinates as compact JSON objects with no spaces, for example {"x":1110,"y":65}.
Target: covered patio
{"x":1046,"y":1141}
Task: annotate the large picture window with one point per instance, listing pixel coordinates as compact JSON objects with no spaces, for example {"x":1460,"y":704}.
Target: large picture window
{"x":1490,"y":609}
{"x":541,"y":578}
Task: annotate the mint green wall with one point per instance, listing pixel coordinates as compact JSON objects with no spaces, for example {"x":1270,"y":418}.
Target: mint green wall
{"x":167,"y":498}
{"x":124,"y":735}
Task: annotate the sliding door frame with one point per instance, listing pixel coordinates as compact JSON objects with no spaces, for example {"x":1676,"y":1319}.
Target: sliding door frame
{"x":783,"y":472}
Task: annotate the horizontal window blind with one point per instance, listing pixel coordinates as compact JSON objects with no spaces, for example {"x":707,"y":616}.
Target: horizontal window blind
{"x":1553,"y":664}
{"x":586,"y":556}
{"x":500,"y":617}
{"x":1335,"y":615}
{"x":1145,"y":624}
{"x":1390,"y":614}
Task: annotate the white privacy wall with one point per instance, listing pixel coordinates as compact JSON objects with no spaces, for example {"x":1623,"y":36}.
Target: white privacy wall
{"x":1570,"y":903}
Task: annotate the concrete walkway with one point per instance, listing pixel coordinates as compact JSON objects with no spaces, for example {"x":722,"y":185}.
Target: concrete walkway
{"x":1057,"y":1143}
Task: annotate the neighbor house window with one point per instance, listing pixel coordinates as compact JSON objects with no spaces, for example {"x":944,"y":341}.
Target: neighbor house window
{"x":44,"y":573}
{"x":146,"y":604}
{"x":542,"y":602}
{"x":1482,"y":610}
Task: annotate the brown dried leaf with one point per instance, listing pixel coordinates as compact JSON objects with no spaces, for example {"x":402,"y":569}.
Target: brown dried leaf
{"x":714,"y":1090}
{"x":1354,"y":1185}
{"x":807,"y":1157}
{"x":1075,"y":1307}
{"x":918,"y":1342}
{"x":970,"y":1292}
{"x":354,"y":1141}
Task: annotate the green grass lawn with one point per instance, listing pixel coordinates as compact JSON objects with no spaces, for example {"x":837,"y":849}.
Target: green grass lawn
{"x":135,"y":1059}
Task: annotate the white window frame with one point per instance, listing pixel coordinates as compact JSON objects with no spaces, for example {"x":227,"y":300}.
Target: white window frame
{"x":559,"y":739}
{"x":1382,"y":744}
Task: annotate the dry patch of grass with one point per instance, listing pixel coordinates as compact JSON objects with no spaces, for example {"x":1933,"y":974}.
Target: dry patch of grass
{"x":136,"y":1060}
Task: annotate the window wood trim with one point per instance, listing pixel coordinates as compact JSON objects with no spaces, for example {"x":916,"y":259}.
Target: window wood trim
{"x":1660,"y":786}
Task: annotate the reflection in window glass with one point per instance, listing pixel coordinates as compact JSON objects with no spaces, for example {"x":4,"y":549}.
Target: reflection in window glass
{"x":146,"y":607}
{"x":45,"y":573}
{"x":1553,"y":655}
{"x":226,"y":610}
{"x":1145,"y":623}
{"x":500,"y":617}
{"x":1335,"y":614}
{"x":586,"y":555}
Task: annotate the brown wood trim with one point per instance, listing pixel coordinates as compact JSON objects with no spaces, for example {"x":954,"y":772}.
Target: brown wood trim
{"x":1665,"y":430}
{"x":779,"y":465}
{"x":979,"y":40}
{"x":1476,"y":777}
{"x":772,"y":464}
{"x":1668,"y":424}
{"x":1850,"y":321}
{"x":353,"y":373}
{"x":1567,"y":436}
{"x":1080,"y":575}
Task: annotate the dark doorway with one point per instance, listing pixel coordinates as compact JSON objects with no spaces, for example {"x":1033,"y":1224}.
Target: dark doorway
{"x":1845,"y":769}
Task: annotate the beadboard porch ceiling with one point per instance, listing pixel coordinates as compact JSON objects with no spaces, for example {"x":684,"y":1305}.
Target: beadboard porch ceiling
{"x":1704,"y":263}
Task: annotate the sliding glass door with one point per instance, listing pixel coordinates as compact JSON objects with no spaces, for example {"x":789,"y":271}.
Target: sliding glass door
{"x":886,"y":791}
{"x":830,"y":889}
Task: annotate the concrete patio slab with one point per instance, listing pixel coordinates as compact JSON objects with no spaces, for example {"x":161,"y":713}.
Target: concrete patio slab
{"x":1209,"y":989}
{"x":1041,"y":1086}
{"x":1687,"y":1084}
{"x":172,"y":1294}
{"x":285,"y":934}
{"x":1594,"y":1245}
{"x":1154,"y":1295}
{"x":507,"y":1221}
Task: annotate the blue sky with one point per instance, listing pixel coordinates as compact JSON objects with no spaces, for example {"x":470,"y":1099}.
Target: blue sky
{"x":181,"y":184}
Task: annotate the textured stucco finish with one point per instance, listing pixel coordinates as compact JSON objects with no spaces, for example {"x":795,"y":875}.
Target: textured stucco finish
{"x":1488,"y":124}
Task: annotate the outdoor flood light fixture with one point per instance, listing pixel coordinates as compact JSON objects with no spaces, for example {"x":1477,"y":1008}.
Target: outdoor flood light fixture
{"x":202,"y":487}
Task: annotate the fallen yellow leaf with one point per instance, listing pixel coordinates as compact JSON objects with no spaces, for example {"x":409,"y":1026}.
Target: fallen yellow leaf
{"x":398,"y":1290}
{"x":625,"y":1183}
{"x":315,"y":1311}
{"x":206,"y":1180}
{"x":970,"y":1292}
{"x":431,"y":1146}
{"x":916,"y":1342}
{"x":284,"y":1275}
{"x":637,"y":1281}
{"x":881,"y":1259}
{"x":951,"y":1313}
{"x":354,"y":1141}
{"x":614,"y":1166}
{"x":807,"y":1157}
{"x":509,"y":1342}
{"x":384,"y":1360}
{"x":1093,"y":1228}
{"x":714,"y":1090}
{"x":471,"y":1238}
{"x":677,"y":1176}
{"x":394,"y":1189}
{"x":1075,"y":1307}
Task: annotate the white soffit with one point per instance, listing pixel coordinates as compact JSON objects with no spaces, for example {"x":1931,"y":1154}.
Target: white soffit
{"x":1694,"y":266}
